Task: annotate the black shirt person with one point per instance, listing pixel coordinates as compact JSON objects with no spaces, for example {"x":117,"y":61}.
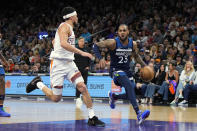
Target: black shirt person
{"x":83,"y":66}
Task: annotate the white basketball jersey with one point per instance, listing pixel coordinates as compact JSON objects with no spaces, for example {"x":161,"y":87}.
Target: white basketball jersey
{"x":59,"y":52}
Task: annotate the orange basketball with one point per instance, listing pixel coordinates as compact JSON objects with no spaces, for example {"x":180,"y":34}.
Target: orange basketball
{"x":147,"y":73}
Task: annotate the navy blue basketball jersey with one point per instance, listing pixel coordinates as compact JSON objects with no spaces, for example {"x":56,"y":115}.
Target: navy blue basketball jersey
{"x":120,"y":56}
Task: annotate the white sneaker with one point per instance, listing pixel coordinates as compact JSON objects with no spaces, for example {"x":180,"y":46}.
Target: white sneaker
{"x":182,"y":103}
{"x":143,"y":101}
{"x":173,"y":102}
{"x":79,"y":103}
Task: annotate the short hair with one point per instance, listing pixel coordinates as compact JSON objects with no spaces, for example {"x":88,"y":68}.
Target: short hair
{"x":123,"y":25}
{"x":67,"y":10}
{"x":81,"y":38}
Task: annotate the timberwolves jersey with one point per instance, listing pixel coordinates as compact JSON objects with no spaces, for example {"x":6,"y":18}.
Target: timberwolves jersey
{"x":120,"y":57}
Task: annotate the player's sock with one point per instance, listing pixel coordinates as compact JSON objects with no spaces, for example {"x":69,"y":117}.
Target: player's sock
{"x":40,"y":85}
{"x":91,"y":113}
{"x":137,"y":110}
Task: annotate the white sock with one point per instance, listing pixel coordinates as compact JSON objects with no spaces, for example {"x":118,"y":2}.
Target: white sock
{"x":40,"y":85}
{"x":91,"y":112}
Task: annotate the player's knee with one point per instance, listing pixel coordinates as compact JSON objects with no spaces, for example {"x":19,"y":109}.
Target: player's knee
{"x":56,"y":93}
{"x":56,"y":98}
{"x":82,"y":87}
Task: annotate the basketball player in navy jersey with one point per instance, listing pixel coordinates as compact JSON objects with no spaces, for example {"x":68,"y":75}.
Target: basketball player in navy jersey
{"x":121,"y":48}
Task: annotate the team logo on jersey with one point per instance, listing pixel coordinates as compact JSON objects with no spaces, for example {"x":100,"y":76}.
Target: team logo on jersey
{"x":123,"y":52}
{"x":71,"y":41}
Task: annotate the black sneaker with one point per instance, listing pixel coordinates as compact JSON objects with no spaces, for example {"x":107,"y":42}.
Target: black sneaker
{"x":94,"y":121}
{"x":32,"y":85}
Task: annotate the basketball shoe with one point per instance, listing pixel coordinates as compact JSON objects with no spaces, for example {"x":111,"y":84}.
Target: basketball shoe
{"x":32,"y":85}
{"x":111,"y":100}
{"x":3,"y":113}
{"x":142,"y":115}
{"x":94,"y":121}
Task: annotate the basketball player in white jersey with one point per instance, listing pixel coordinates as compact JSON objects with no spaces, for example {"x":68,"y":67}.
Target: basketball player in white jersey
{"x":62,"y":66}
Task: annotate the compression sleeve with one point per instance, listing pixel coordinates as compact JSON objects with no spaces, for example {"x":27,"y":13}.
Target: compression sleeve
{"x":97,"y":52}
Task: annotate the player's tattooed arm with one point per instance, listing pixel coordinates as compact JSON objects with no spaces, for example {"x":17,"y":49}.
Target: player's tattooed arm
{"x":3,"y":59}
{"x":136,"y":55}
{"x":109,"y":43}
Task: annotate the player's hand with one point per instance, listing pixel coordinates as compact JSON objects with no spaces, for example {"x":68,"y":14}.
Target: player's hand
{"x":87,"y":55}
{"x":102,"y":63}
{"x":168,"y":82}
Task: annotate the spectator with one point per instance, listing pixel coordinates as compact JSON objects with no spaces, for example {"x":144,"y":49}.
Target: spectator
{"x":179,"y":63}
{"x":17,"y":69}
{"x":1,"y":41}
{"x":151,"y":87}
{"x":187,"y":75}
{"x":194,"y":36}
{"x":191,"y":86}
{"x":171,"y":75}
{"x":11,"y":67}
{"x":26,"y":68}
{"x":86,"y":35}
{"x":19,"y":41}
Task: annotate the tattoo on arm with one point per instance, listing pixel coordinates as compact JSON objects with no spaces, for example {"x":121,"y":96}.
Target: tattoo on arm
{"x":136,"y":56}
{"x":109,"y":43}
{"x":3,"y":58}
{"x":138,"y":59}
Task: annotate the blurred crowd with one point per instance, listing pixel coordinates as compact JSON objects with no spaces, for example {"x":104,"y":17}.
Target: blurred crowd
{"x":164,"y":30}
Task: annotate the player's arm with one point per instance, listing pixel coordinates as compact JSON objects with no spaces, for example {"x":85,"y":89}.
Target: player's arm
{"x":176,"y":76}
{"x":3,"y":60}
{"x":109,"y":43}
{"x":64,"y":32}
{"x":136,"y":55}
{"x":53,"y":42}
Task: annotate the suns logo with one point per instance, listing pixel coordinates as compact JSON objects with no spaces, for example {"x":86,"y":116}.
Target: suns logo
{"x":71,"y":41}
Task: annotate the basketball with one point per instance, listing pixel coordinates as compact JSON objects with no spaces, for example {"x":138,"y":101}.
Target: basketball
{"x":147,"y":73}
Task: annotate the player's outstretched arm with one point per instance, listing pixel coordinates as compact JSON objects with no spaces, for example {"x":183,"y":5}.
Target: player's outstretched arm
{"x":4,"y":60}
{"x":109,"y":43}
{"x":136,"y":55}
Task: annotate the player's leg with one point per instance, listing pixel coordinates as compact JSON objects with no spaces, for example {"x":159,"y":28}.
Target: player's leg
{"x":2,"y":97}
{"x":123,"y":80}
{"x":79,"y":101}
{"x":56,"y":78}
{"x":76,"y":78}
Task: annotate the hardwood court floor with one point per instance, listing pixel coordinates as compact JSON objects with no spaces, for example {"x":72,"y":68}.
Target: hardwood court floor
{"x":45,"y":115}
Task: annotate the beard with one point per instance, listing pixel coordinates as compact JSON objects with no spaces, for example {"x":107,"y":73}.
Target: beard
{"x":123,"y":39}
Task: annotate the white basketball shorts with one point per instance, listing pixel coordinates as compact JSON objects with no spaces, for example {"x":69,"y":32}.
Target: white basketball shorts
{"x":63,"y":69}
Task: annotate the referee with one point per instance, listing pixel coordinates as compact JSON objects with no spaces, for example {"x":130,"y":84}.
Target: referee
{"x":83,"y":66}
